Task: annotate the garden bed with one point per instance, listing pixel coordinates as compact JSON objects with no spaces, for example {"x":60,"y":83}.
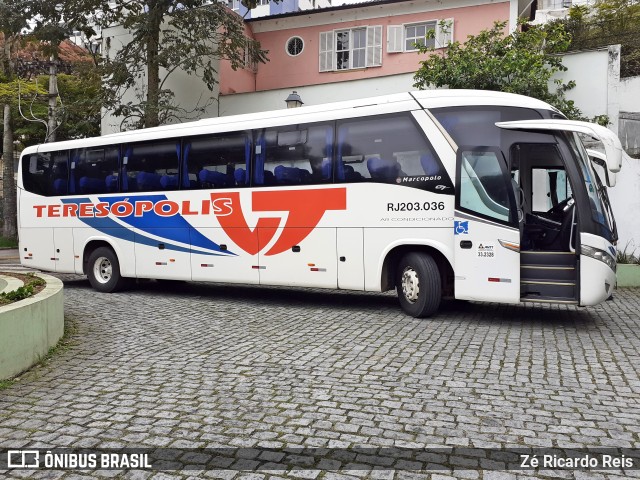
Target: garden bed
{"x":30,"y":326}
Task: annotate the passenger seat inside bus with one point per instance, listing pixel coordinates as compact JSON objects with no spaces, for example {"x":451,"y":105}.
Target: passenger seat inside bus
{"x":383,"y":170}
{"x":111,"y":182}
{"x":240,"y":176}
{"x":147,"y":181}
{"x":169,"y":182}
{"x":291,"y":175}
{"x":90,"y":185}
{"x":60,"y":186}
{"x":213,"y":179}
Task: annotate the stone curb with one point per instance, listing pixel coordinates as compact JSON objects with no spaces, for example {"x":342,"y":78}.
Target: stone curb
{"x":12,"y":283}
{"x":30,"y":327}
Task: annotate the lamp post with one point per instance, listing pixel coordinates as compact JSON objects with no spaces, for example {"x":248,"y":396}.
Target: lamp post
{"x":294,"y":100}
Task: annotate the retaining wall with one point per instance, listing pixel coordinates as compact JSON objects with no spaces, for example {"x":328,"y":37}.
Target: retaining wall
{"x":30,"y":327}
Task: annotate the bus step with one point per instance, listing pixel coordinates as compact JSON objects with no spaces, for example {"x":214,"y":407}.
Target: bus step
{"x":567,"y":301}
{"x":542,"y":272}
{"x":547,"y":289}
{"x":556,"y":259}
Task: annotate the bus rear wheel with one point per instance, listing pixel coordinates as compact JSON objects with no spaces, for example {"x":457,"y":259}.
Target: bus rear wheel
{"x":418,"y":284}
{"x":103,"y":271}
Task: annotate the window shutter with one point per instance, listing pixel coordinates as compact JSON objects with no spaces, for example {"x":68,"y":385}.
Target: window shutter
{"x":374,"y":46}
{"x":395,"y":38}
{"x":326,"y":52}
{"x":444,"y":32}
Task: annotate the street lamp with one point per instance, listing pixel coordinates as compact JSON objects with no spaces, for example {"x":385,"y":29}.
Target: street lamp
{"x":294,"y":100}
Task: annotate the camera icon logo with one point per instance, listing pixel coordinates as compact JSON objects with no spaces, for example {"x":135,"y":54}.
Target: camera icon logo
{"x":23,"y":459}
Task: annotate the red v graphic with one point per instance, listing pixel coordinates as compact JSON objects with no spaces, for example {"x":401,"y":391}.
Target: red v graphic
{"x":235,"y":225}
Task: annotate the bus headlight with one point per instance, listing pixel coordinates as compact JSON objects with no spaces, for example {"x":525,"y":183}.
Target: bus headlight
{"x":600,"y":255}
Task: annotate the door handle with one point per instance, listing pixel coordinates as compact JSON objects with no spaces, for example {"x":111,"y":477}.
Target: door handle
{"x":466,"y":244}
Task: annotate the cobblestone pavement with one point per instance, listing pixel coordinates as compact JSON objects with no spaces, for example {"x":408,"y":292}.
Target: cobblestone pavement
{"x":197,"y":365}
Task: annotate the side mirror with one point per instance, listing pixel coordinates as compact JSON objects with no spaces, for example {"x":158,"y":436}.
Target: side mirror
{"x":600,"y":159}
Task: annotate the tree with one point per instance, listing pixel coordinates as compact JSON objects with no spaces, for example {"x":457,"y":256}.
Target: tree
{"x":167,"y":36}
{"x":608,"y":22}
{"x":78,"y":112}
{"x":523,"y":62}
{"x":54,"y":23}
{"x":12,"y":20}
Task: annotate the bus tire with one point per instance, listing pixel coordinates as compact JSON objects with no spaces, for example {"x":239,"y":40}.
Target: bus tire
{"x":418,"y":284}
{"x":103,"y":271}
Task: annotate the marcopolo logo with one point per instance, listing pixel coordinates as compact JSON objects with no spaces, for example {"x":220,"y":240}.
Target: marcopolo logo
{"x":303,"y":210}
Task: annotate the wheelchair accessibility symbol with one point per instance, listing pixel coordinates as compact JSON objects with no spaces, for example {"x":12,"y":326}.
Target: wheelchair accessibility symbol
{"x":460,"y":228}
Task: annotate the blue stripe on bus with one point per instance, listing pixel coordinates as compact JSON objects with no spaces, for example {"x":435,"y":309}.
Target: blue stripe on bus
{"x":175,"y":228}
{"x":178,"y":233}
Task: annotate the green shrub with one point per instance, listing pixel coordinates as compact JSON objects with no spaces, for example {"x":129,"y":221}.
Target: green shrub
{"x":23,"y":292}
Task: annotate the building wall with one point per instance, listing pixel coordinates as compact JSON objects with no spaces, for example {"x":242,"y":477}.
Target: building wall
{"x":595,"y":63}
{"x":630,"y":94}
{"x":284,"y":70}
{"x":628,"y":198}
{"x":190,"y":91}
{"x":239,"y":80}
{"x":316,"y":94}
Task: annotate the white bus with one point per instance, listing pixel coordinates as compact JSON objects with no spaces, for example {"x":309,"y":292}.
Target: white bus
{"x":451,"y":193}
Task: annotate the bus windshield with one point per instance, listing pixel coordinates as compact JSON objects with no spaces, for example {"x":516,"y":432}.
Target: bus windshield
{"x":598,"y":197}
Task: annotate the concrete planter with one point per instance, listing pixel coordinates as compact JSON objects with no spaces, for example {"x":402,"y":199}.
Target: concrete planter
{"x":30,"y":327}
{"x":628,"y":275}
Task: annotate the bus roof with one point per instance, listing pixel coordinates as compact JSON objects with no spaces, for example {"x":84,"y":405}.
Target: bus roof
{"x":345,"y":109}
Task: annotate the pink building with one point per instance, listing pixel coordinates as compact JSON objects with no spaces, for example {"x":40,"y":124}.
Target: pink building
{"x":358,"y":42}
{"x":332,"y":53}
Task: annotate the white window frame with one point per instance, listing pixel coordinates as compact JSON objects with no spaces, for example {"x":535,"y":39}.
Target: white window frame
{"x":286,"y":46}
{"x":372,"y":48}
{"x":428,"y":26}
{"x":397,"y":35}
{"x":351,"y":50}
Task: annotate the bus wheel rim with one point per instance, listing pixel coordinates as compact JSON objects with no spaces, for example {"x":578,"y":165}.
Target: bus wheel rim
{"x":410,"y":285}
{"x":102,"y":270}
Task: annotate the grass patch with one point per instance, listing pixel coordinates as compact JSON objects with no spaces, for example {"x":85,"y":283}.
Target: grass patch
{"x":623,"y":256}
{"x":4,"y":384}
{"x":64,"y":344}
{"x":8,"y":242}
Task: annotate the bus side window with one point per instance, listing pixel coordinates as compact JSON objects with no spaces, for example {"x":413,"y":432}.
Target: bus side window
{"x":294,"y":155}
{"x":216,"y":161}
{"x":386,"y":149}
{"x":92,"y":170}
{"x":36,"y":173}
{"x":59,"y":180}
{"x":151,"y":166}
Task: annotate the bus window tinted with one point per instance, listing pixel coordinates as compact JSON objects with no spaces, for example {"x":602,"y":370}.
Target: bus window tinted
{"x":46,"y":173}
{"x":477,"y":125}
{"x":483,"y":185}
{"x":294,"y":155}
{"x":94,"y":170}
{"x":219,"y":161}
{"x":387,"y":150}
{"x":149,"y":167}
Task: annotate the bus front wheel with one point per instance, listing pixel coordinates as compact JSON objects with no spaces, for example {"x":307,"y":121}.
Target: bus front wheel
{"x":103,"y":270}
{"x":418,"y":284}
